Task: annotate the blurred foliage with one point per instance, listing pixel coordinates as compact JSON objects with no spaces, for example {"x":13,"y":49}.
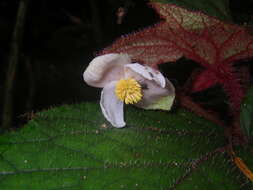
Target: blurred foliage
{"x":217,"y":8}
{"x":246,"y":116}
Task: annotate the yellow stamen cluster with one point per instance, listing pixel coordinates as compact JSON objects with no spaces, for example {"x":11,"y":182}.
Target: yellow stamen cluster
{"x":128,"y":91}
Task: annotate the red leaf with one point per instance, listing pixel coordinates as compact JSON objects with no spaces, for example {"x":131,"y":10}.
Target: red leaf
{"x":204,"y":80}
{"x":194,"y":35}
{"x":150,"y":46}
{"x":204,"y":39}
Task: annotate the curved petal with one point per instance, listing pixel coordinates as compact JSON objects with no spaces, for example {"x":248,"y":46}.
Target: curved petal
{"x":156,"y":97}
{"x":146,"y":72}
{"x":105,"y":68}
{"x":111,"y":106}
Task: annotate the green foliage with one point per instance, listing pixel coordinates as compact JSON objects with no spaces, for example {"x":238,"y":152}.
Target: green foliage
{"x":246,"y":116}
{"x":217,"y":8}
{"x":72,"y":147}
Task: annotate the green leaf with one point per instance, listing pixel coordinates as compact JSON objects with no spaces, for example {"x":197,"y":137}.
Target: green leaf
{"x":73,"y":147}
{"x":246,"y":115}
{"x":218,"y":8}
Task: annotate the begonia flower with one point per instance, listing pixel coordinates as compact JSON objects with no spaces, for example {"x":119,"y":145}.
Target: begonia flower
{"x":129,"y":83}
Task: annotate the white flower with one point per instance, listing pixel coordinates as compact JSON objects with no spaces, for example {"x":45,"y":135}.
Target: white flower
{"x":126,"y":82}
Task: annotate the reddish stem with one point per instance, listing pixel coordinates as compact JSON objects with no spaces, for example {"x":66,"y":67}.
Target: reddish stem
{"x":187,"y":102}
{"x":236,"y":133}
{"x":230,"y":81}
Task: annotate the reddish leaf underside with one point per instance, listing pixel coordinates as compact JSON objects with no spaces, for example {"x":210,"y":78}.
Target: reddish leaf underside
{"x":204,"y":39}
{"x":205,"y":79}
{"x":194,"y":35}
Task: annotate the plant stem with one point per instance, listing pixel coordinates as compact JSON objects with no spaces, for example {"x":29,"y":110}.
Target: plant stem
{"x":12,"y":66}
{"x":187,"y":102}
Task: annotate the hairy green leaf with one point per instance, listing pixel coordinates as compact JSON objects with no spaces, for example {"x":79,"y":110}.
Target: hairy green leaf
{"x":73,"y":147}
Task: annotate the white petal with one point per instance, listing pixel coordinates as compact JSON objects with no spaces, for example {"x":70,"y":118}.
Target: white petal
{"x":105,"y":68}
{"x":111,"y":106}
{"x":153,"y":94}
{"x":146,"y":72}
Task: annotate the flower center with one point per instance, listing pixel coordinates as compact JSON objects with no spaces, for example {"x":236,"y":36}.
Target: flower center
{"x":128,"y":91}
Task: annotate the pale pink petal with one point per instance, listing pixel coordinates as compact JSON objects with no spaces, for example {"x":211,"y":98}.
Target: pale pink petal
{"x":111,"y":106}
{"x":105,"y":68}
{"x":140,"y":72}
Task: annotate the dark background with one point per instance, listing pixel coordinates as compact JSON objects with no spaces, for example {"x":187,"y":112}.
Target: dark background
{"x":61,"y":38}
